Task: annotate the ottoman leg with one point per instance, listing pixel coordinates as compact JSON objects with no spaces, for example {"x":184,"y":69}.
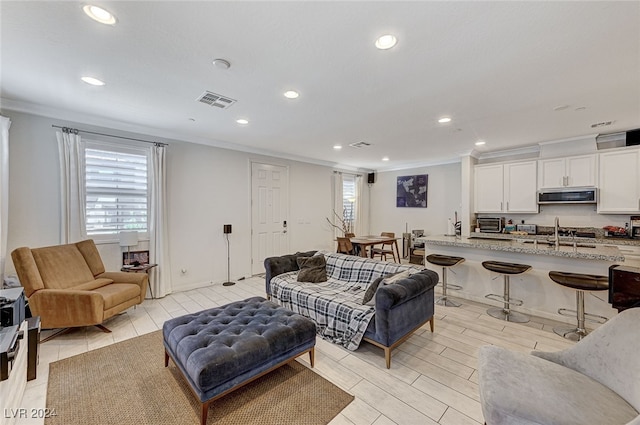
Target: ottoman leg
{"x":205,"y":412}
{"x":312,"y":355}
{"x":166,"y":358}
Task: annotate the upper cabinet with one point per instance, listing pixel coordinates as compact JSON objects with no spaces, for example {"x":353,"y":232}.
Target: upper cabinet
{"x":619,"y":182}
{"x":574,"y":171}
{"x":509,"y":187}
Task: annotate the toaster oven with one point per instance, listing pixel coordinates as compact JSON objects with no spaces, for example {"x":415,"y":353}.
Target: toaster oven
{"x":491,"y":224}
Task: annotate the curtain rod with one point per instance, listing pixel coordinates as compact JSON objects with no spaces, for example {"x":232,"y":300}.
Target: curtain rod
{"x":343,"y":172}
{"x":76,"y":131}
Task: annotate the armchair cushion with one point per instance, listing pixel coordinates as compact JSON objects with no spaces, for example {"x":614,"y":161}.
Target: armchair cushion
{"x":62,"y":267}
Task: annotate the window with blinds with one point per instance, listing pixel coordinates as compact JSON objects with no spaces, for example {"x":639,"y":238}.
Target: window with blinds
{"x":349,"y":197}
{"x":117,"y":190}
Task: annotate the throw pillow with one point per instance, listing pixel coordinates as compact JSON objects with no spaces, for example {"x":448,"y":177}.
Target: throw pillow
{"x":395,"y":277}
{"x":312,"y":269}
{"x":371,"y":291}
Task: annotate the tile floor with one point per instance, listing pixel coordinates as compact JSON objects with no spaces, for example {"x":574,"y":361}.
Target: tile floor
{"x":432,"y":380}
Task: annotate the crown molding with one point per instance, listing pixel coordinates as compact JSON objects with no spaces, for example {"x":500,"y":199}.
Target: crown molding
{"x":164,"y":136}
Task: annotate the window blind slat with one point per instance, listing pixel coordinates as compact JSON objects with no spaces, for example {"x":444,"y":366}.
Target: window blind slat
{"x":116,"y":191}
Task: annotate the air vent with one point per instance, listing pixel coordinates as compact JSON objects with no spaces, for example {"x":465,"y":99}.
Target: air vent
{"x":359,"y":144}
{"x":217,"y":100}
{"x":602,"y":124}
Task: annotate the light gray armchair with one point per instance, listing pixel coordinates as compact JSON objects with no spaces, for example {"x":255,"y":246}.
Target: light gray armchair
{"x":597,"y":381}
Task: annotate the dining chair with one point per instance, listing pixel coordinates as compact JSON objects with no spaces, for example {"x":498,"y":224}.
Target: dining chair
{"x":386,"y":249}
{"x":356,"y":247}
{"x":345,"y":246}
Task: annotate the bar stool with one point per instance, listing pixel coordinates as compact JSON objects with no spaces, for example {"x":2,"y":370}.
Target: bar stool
{"x":445,"y":261}
{"x":506,"y":270}
{"x":581,"y":283}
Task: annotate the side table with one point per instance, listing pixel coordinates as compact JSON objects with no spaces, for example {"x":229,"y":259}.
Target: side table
{"x":142,"y":268}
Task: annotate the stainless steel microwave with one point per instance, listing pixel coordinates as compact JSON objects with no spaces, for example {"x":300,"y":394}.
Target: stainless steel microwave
{"x":576,"y":195}
{"x":491,"y":224}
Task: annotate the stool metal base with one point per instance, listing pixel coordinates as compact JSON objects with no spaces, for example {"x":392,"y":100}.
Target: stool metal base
{"x":507,"y":315}
{"x":570,"y":333}
{"x":445,"y":301}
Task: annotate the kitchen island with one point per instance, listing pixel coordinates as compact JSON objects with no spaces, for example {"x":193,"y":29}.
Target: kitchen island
{"x":541,"y":296}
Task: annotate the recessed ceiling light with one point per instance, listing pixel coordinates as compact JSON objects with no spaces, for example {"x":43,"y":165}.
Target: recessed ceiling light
{"x":99,"y":14}
{"x":221,"y":63}
{"x":560,"y":108}
{"x":242,"y":121}
{"x":580,"y":108}
{"x":386,"y":41}
{"x":444,"y":120}
{"x":192,"y":119}
{"x":480,"y":142}
{"x":93,"y":81}
{"x":291,"y":94}
{"x":337,"y":147}
{"x":386,"y":158}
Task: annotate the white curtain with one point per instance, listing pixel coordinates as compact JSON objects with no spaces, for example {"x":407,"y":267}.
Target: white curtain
{"x":72,"y":183}
{"x":338,"y":205}
{"x":361,"y":225}
{"x":5,"y":123}
{"x":160,"y":278}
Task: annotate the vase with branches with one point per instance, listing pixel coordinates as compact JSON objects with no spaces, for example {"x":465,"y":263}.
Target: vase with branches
{"x":345,"y":223}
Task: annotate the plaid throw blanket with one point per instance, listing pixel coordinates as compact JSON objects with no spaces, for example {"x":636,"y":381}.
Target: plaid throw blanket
{"x":336,"y":305}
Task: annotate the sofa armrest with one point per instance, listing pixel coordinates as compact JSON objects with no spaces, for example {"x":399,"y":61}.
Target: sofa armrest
{"x":403,"y":306}
{"x":388,"y":296}
{"x":61,"y":308}
{"x":275,"y":266}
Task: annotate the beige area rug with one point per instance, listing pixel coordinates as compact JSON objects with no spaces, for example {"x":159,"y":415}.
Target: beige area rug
{"x":127,"y":383}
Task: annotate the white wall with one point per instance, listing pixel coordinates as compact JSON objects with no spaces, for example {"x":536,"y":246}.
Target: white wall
{"x":443,"y":199}
{"x":207,"y":187}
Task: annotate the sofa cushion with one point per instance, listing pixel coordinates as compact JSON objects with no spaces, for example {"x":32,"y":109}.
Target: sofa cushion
{"x":368,"y":298}
{"x":62,"y":267}
{"x":395,"y":277}
{"x":94,"y":284}
{"x":312,"y":269}
{"x":548,"y":393}
{"x":118,"y":293}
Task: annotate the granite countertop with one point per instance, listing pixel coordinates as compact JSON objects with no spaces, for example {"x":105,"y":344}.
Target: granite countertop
{"x":585,"y":248}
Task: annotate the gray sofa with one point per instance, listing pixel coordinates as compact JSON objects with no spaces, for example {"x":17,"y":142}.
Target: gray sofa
{"x":597,"y":381}
{"x":399,"y":308}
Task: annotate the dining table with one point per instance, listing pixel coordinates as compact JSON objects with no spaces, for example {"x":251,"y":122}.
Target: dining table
{"x":369,"y":241}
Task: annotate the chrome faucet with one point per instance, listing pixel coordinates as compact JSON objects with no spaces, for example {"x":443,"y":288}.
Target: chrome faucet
{"x":556,"y":237}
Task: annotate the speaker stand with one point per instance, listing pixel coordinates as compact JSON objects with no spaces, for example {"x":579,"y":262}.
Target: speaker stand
{"x":228,"y":282}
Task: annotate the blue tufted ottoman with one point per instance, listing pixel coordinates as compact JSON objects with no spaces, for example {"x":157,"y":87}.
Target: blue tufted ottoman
{"x":220,"y":349}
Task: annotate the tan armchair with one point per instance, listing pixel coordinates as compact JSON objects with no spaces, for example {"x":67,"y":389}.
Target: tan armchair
{"x":67,"y":285}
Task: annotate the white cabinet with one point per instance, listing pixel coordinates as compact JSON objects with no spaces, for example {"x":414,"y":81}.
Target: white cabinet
{"x":509,"y":187}
{"x":574,"y":171}
{"x":619,"y":182}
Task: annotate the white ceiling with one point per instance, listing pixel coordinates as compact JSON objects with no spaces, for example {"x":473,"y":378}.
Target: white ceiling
{"x":498,"y":69}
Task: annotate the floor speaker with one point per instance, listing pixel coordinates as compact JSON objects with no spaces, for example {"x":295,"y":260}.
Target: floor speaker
{"x":226,"y":229}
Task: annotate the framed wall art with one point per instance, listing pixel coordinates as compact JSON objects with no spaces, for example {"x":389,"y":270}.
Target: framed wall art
{"x":135,"y":258}
{"x":412,"y":191}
